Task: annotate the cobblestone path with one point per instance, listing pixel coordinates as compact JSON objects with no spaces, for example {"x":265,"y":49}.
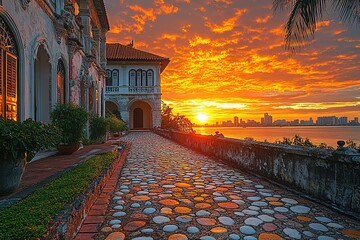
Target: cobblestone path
{"x":166,"y":191}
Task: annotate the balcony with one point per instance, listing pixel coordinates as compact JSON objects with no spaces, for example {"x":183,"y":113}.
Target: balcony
{"x":113,"y":90}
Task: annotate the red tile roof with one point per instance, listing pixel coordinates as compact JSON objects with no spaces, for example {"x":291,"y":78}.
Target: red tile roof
{"x":119,"y":52}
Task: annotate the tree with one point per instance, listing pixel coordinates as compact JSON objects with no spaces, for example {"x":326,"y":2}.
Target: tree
{"x":305,"y":14}
{"x":174,"y":122}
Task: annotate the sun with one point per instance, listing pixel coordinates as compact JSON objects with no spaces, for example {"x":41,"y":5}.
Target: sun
{"x":202,"y":117}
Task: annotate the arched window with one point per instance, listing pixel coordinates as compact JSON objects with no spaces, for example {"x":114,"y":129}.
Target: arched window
{"x":8,"y":72}
{"x":138,"y":77}
{"x":60,"y":82}
{"x":132,"y":77}
{"x":108,"y":78}
{"x":115,"y":77}
{"x":143,"y":79}
{"x":150,"y":77}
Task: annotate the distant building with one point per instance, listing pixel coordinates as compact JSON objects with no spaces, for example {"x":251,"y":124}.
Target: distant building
{"x":295,"y":122}
{"x":327,"y":121}
{"x":310,"y":122}
{"x":343,"y":121}
{"x":266,"y":120}
{"x":280,"y":122}
{"x":236,"y":121}
{"x":252,"y":123}
{"x":355,"y":121}
{"x":133,"y":85}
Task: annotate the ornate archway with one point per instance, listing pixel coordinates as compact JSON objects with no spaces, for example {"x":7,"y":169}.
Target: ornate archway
{"x":8,"y":72}
{"x":42,"y":93}
{"x":141,"y":116}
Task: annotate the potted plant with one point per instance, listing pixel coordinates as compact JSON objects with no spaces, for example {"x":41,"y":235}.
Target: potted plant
{"x":98,"y":129}
{"x":116,"y":125}
{"x":71,"y":120}
{"x":19,"y":140}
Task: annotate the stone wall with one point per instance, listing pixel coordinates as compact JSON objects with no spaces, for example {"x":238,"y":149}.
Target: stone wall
{"x":333,"y":177}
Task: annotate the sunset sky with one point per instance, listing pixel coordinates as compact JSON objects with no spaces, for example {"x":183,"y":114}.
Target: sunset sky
{"x":228,"y":59}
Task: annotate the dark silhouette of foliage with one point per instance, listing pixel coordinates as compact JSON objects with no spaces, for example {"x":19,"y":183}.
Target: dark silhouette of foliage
{"x":305,"y":14}
{"x":175,"y":122}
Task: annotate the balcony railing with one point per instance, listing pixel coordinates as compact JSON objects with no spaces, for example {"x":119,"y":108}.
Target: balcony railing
{"x":131,"y":90}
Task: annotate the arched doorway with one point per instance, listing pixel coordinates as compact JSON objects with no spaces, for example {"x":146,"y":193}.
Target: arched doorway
{"x":8,"y":72}
{"x":141,"y":115}
{"x":138,"y":118}
{"x":112,"y":108}
{"x":43,"y":84}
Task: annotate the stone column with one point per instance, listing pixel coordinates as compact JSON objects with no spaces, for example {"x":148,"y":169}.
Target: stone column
{"x":72,"y":77}
{"x":102,"y":51}
{"x":85,"y":21}
{"x":157,"y":112}
{"x":96,"y":44}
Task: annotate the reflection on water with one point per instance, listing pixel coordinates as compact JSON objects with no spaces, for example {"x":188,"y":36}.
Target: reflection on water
{"x":317,"y":134}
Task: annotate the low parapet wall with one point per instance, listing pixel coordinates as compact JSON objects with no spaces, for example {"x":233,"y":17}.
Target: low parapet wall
{"x":330,"y":176}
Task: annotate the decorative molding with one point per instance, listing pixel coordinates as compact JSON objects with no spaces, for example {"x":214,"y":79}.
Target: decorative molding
{"x":61,"y":32}
{"x":25,"y":3}
{"x":72,"y":83}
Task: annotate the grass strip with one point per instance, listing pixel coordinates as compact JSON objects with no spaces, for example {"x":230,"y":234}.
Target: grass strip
{"x":29,"y":218}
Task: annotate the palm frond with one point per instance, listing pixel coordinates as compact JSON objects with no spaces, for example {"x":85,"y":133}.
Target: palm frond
{"x":281,"y":5}
{"x":348,"y":10}
{"x":301,"y":25}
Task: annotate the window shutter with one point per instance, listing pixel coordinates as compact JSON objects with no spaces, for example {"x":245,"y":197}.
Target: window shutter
{"x":2,"y":102}
{"x":11,"y":85}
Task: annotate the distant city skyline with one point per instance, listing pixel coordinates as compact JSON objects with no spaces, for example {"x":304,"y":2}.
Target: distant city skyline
{"x":267,"y":120}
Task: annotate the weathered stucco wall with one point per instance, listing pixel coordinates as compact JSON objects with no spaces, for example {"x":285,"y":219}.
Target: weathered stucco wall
{"x":330,"y":176}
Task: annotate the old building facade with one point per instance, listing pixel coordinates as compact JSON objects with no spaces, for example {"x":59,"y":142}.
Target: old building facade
{"x":133,"y":86}
{"x":51,"y":51}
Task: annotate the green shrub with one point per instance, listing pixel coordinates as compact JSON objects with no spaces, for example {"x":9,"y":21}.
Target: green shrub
{"x":115,"y":124}
{"x":98,"y":129}
{"x":71,"y":120}
{"x":29,"y":218}
{"x":18,"y":138}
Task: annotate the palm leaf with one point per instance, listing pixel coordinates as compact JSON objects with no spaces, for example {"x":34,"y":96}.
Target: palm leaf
{"x":301,"y":25}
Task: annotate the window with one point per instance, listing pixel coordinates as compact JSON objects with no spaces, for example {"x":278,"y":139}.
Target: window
{"x":108,"y":78}
{"x":138,"y":77}
{"x":143,"y":79}
{"x":132,"y":77}
{"x":150,"y":77}
{"x":60,"y":82}
{"x":8,"y":72}
{"x":115,"y":77}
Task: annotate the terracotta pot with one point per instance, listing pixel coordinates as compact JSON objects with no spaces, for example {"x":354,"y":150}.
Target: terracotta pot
{"x":67,"y":149}
{"x":11,"y":172}
{"x":116,"y":134}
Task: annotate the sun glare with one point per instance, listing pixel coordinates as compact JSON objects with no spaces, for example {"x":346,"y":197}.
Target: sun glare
{"x":202,"y":117}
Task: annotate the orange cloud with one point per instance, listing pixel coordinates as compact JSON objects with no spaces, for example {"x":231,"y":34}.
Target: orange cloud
{"x":199,"y":41}
{"x":263,"y":20}
{"x":120,"y":28}
{"x":226,"y":25}
{"x":149,"y":14}
{"x":171,"y":37}
{"x":186,"y":28}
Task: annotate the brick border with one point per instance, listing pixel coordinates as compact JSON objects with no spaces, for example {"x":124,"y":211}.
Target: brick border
{"x":86,"y":212}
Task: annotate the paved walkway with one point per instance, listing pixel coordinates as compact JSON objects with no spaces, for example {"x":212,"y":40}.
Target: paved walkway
{"x":166,"y":191}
